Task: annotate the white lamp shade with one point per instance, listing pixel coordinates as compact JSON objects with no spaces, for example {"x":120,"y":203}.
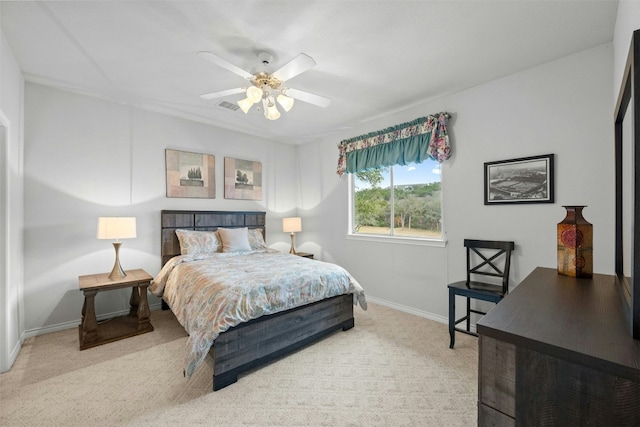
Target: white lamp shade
{"x":116,"y":227}
{"x":254,"y":93}
{"x":285,"y":101}
{"x":272,"y":112}
{"x":245,"y":104}
{"x":292,"y":225}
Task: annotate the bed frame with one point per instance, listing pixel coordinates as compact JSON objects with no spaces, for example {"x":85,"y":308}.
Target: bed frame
{"x":261,"y":340}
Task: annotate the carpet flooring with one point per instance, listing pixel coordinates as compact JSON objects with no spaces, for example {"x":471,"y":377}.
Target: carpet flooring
{"x":391,"y":369}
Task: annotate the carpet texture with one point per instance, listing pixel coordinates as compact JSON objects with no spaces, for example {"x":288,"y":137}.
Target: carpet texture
{"x":391,"y":369}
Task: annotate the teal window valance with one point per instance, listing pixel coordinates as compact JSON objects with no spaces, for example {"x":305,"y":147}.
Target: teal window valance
{"x":411,"y":142}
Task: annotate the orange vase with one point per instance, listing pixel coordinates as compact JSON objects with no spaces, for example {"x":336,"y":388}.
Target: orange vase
{"x":575,"y":244}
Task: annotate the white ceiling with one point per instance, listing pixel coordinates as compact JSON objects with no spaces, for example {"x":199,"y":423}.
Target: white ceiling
{"x":373,"y":57}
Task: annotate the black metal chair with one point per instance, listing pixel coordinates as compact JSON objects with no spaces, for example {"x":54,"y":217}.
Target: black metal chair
{"x":485,"y":258}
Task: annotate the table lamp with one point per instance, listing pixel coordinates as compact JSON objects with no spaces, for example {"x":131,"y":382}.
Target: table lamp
{"x":116,"y":228}
{"x":292,"y":225}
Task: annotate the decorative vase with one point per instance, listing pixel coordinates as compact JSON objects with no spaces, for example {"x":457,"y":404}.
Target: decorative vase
{"x":575,"y":244}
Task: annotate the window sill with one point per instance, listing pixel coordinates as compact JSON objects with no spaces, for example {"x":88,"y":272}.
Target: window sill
{"x":397,"y":240}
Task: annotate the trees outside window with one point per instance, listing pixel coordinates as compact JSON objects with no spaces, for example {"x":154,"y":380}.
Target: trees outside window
{"x":399,"y":201}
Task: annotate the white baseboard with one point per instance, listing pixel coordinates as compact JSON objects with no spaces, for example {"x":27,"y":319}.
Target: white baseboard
{"x":75,"y":323}
{"x":414,"y":311}
{"x":410,"y":310}
{"x":13,"y":355}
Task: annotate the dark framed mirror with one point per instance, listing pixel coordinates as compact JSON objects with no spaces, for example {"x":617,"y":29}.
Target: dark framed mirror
{"x":627,"y":160}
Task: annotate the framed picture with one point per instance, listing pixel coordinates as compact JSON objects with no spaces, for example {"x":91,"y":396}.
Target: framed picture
{"x":525,"y":180}
{"x":190,"y":174}
{"x":242,"y":179}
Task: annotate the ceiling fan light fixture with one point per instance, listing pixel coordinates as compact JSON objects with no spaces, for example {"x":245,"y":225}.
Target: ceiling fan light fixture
{"x":285,"y":101}
{"x":245,"y":104}
{"x":264,"y":84}
{"x":254,"y":93}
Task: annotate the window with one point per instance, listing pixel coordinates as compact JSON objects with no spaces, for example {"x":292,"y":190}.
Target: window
{"x":401,"y":201}
{"x":388,"y":198}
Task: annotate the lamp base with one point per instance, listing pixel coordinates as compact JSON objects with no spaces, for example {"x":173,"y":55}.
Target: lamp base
{"x":293,"y":249}
{"x":117,"y":272}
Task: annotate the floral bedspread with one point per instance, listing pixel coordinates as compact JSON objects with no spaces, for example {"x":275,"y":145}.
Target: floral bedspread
{"x":212,"y":293}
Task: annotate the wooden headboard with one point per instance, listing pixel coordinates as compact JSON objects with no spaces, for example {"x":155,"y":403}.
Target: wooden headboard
{"x":203,"y":221}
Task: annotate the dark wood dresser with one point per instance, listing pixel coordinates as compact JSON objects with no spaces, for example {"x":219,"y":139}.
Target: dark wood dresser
{"x":558,"y":351}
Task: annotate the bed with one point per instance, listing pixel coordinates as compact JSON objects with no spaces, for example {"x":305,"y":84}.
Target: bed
{"x":252,"y":341}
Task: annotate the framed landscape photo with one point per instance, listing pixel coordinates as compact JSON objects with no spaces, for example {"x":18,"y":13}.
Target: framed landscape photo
{"x":190,"y":174}
{"x":524,"y":180}
{"x":242,"y":179}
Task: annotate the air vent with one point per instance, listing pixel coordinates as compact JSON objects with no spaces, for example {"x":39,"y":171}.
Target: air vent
{"x":228,"y":105}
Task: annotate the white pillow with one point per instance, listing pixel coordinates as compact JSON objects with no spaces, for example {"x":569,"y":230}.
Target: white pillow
{"x":234,"y":239}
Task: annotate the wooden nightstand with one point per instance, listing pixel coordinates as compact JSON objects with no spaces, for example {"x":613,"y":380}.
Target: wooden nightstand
{"x":137,"y":322}
{"x":305,"y":254}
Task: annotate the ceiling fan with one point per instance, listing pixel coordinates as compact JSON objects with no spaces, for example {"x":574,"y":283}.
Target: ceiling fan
{"x":266,"y":86}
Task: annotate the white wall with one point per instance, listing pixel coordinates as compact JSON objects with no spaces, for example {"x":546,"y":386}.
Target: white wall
{"x":563,"y":107}
{"x":627,"y":20}
{"x":11,"y":206}
{"x":86,"y":158}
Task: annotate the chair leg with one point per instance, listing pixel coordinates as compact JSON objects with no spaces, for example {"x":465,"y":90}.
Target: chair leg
{"x":452,"y":317}
{"x":468,"y":314}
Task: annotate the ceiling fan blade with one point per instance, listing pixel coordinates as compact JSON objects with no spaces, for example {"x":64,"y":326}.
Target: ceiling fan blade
{"x":297,"y":65}
{"x":222,"y":93}
{"x":208,"y":56}
{"x":308,"y":97}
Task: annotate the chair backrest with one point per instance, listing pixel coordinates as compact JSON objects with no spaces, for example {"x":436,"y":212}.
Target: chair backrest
{"x":484,"y":258}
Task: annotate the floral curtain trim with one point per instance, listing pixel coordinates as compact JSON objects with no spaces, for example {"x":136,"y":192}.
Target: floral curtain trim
{"x":411,"y":142}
